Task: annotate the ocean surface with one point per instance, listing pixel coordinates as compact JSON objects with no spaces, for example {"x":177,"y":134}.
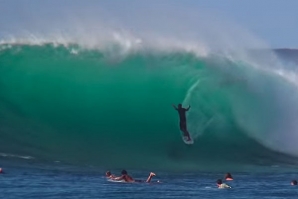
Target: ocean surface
{"x":54,"y":181}
{"x":68,"y":114}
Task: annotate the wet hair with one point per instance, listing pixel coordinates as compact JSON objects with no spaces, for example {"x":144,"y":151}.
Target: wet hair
{"x":108,"y":173}
{"x":294,"y":182}
{"x":179,"y":105}
{"x":228,"y":175}
{"x":124,"y":172}
{"x":219,"y":181}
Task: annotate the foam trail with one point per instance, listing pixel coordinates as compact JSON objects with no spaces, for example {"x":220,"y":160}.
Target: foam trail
{"x":15,"y":156}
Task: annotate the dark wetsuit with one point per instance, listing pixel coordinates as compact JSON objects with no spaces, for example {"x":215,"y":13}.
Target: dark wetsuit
{"x":182,"y":116}
{"x":182,"y":112}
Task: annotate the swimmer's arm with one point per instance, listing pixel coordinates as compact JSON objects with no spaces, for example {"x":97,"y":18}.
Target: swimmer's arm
{"x":175,"y":107}
{"x":227,"y":186}
{"x":118,"y":178}
{"x":113,"y":177}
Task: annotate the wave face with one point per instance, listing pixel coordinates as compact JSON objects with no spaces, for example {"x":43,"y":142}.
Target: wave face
{"x":89,"y":108}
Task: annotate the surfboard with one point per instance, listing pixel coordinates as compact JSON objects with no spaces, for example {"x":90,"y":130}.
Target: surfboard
{"x":111,"y":180}
{"x":185,"y":138}
{"x":123,"y":181}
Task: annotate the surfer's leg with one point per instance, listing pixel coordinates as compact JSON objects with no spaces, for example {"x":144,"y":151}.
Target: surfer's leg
{"x":183,"y":126}
{"x":150,"y":176}
{"x":186,"y":133}
{"x":188,"y":136}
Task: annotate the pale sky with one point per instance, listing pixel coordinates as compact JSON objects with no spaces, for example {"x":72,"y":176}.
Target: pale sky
{"x":273,"y":21}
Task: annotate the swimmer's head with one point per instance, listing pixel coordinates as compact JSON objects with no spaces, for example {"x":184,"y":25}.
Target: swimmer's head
{"x":294,"y":182}
{"x":179,"y":105}
{"x":219,"y":181}
{"x":124,"y":172}
{"x":108,"y":173}
{"x":228,"y":176}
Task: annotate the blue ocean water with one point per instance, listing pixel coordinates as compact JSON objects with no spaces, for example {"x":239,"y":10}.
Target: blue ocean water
{"x":56,"y":181}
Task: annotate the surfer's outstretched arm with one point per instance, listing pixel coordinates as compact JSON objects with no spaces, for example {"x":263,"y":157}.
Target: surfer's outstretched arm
{"x":188,"y":108}
{"x":150,"y":176}
{"x":175,"y":107}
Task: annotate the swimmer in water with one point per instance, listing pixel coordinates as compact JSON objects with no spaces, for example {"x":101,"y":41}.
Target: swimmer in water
{"x":110,"y":175}
{"x":221,"y":185}
{"x":127,"y":178}
{"x":228,"y":176}
{"x":294,"y":182}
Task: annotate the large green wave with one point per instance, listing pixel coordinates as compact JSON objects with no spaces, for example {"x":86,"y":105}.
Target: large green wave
{"x":89,"y":107}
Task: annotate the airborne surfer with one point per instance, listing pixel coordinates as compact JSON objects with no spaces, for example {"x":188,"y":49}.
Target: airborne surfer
{"x":182,"y":116}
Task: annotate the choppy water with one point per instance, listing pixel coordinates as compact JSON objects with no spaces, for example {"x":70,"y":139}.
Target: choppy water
{"x":56,"y":182}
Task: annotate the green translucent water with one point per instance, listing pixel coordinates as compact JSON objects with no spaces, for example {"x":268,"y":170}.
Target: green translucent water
{"x":93,"y":108}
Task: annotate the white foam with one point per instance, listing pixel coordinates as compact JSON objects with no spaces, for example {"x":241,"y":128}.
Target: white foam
{"x":143,"y":25}
{"x":16,"y":156}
